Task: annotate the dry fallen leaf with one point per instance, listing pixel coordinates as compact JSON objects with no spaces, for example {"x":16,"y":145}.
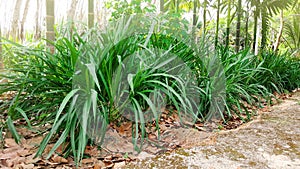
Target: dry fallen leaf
{"x":24,"y":166}
{"x":87,"y":161}
{"x":125,"y":129}
{"x":10,"y":142}
{"x":32,"y":160}
{"x":108,"y":158}
{"x":92,"y":151}
{"x":59,"y":160}
{"x":109,"y":165}
{"x":99,"y":165}
{"x":10,"y":153}
{"x":169,"y":120}
{"x":24,"y":153}
{"x":152,"y":136}
{"x":119,"y":165}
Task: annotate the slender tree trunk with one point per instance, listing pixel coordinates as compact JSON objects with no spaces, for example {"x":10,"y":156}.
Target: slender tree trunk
{"x":258,"y":35}
{"x":276,"y":45}
{"x":71,"y":11}
{"x":91,"y":14}
{"x":195,"y":13}
{"x":255,"y":29}
{"x":217,"y":24}
{"x":98,"y":13}
{"x":1,"y":62}
{"x":70,"y":16}
{"x":22,"y":33}
{"x":15,"y":20}
{"x":247,"y":27}
{"x":177,"y":6}
{"x":238,"y":26}
{"x":50,"y":35}
{"x":228,"y":23}
{"x":204,"y":16}
{"x":194,"y":22}
{"x":161,"y":6}
{"x":80,"y":10}
{"x":37,"y":20}
{"x":264,"y":28}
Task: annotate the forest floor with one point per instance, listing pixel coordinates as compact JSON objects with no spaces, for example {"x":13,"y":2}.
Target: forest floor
{"x":270,"y":140}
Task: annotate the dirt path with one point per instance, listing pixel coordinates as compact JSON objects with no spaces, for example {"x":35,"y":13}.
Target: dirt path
{"x":270,"y":141}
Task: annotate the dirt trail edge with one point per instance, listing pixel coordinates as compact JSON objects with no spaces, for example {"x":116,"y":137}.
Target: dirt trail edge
{"x":270,"y":141}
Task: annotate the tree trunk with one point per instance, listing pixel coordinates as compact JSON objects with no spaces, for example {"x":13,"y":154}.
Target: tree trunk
{"x":194,"y":13}
{"x":70,"y":17}
{"x":258,"y":36}
{"x":161,"y":6}
{"x":177,"y":6}
{"x":238,"y":26}
{"x":217,"y":24}
{"x":255,"y":30}
{"x":204,"y":16}
{"x":80,"y":10}
{"x":71,"y":11}
{"x":264,"y":28}
{"x":228,"y":24}
{"x":91,"y":14}
{"x":50,"y":35}
{"x":194,"y":22}
{"x":15,"y":20}
{"x":22,"y":33}
{"x":37,"y":20}
{"x":276,"y":45}
{"x":1,"y":64}
{"x":247,"y":27}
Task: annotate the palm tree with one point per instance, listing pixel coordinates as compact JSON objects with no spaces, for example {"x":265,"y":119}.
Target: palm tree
{"x":195,"y":4}
{"x":238,"y":25}
{"x":256,"y":12}
{"x":276,"y":45}
{"x":271,"y":7}
{"x":177,"y":5}
{"x":161,"y":6}
{"x":172,"y":6}
{"x":194,"y":21}
{"x":91,"y":13}
{"x":204,"y":15}
{"x":266,"y":8}
{"x":292,"y":29}
{"x":50,"y":35}
{"x":228,"y":23}
{"x":247,"y":25}
{"x":217,"y":23}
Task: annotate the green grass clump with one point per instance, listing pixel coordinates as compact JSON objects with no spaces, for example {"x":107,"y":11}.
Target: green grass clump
{"x":242,"y":82}
{"x":41,"y":78}
{"x":92,"y":79}
{"x":283,"y":71}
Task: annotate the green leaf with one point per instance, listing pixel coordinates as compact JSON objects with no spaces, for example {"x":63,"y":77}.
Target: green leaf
{"x":12,"y":129}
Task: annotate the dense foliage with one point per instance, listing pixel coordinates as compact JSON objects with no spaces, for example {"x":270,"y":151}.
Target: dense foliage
{"x":85,"y":80}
